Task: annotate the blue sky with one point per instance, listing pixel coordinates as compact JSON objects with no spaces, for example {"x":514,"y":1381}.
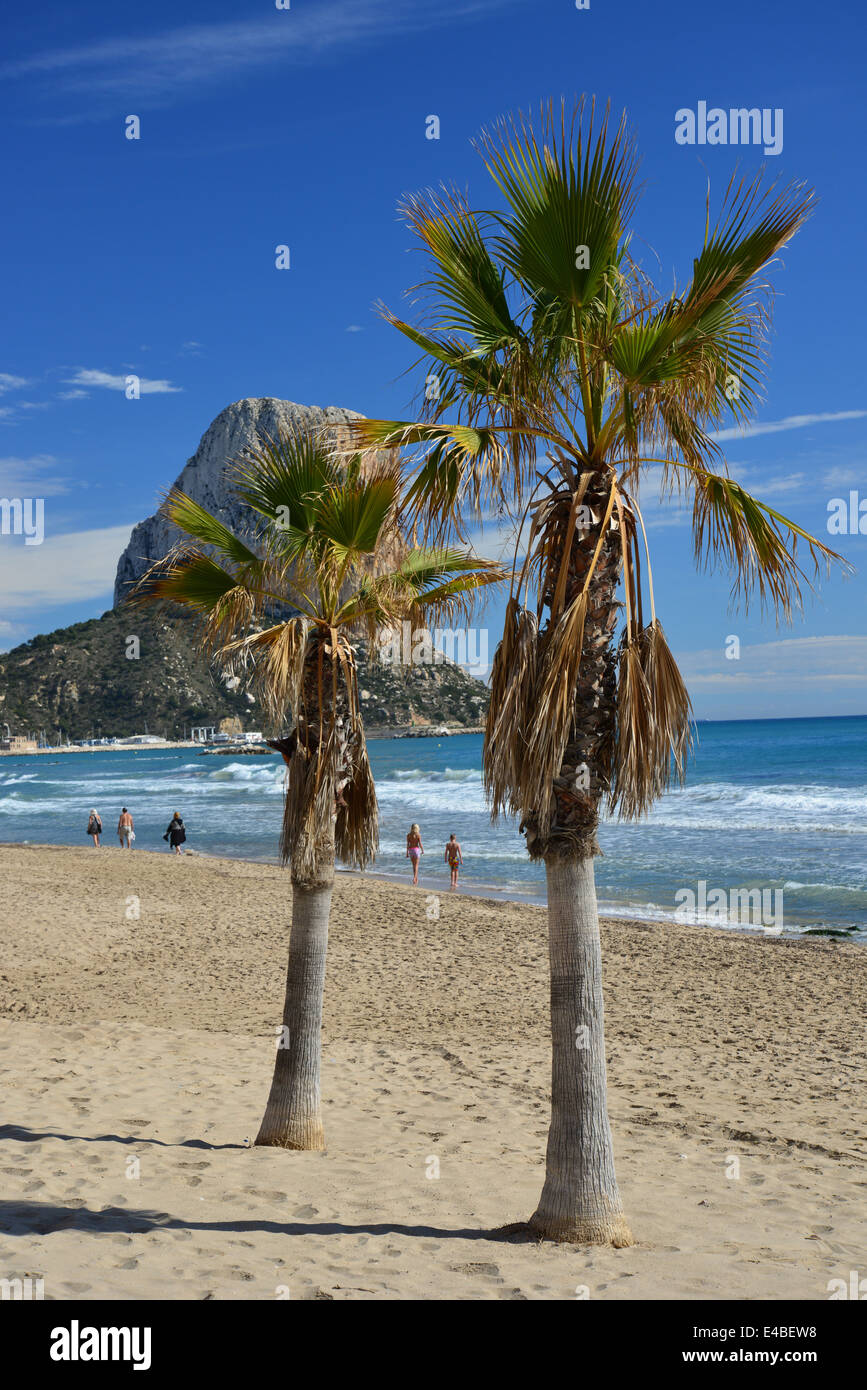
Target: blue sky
{"x":262,"y":127}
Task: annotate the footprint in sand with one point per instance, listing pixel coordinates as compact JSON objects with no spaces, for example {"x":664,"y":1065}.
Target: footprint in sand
{"x":305,"y":1213}
{"x":489,"y":1271}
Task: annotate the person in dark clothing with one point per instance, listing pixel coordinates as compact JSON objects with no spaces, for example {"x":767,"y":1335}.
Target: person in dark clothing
{"x":176,"y":834}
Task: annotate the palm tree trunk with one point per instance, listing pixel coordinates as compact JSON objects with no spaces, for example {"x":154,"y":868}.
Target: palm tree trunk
{"x":580,"y":1201}
{"x":293,"y":1115}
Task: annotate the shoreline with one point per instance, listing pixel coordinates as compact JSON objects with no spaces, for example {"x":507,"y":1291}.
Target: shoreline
{"x":384,"y":734}
{"x":491,"y":897}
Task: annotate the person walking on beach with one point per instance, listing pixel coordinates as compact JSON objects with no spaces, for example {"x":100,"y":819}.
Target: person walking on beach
{"x":125,"y":829}
{"x":175,"y":833}
{"x":414,"y":849}
{"x":94,"y":827}
{"x":453,"y":858}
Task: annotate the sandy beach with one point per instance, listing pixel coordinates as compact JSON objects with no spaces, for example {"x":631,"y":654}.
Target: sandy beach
{"x":139,"y":998}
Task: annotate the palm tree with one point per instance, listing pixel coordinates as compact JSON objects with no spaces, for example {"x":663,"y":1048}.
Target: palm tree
{"x":325,"y":563}
{"x":556,"y":376}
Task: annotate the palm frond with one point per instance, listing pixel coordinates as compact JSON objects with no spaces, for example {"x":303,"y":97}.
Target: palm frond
{"x":554,"y":709}
{"x":468,"y":285}
{"x":282,"y":479}
{"x":197,"y":522}
{"x":732,"y":527}
{"x":654,"y":724}
{"x":566,"y":188}
{"x":511,"y":711}
{"x":187,"y":577}
{"x":357,"y":826}
{"x":352,"y":519}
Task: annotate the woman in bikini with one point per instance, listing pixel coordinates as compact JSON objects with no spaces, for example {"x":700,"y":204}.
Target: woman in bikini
{"x":414,"y":849}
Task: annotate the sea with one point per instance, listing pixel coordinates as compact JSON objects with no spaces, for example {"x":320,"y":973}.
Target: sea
{"x":769,"y":833}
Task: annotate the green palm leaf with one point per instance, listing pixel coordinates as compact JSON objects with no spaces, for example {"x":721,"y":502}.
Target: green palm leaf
{"x":568,"y":188}
{"x":197,"y":522}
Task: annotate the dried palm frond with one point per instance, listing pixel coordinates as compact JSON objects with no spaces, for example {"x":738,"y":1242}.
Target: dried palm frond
{"x":672,"y":708}
{"x":316,"y":823}
{"x":307,"y":836}
{"x":554,"y":709}
{"x":633,"y":778}
{"x":279,"y":672}
{"x":654,"y":730}
{"x":357,"y":828}
{"x":511,"y":710}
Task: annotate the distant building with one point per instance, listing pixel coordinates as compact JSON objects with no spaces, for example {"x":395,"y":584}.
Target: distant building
{"x":18,"y":744}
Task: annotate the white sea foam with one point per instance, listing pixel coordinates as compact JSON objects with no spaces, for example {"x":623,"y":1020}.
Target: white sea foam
{"x":269,"y":780}
{"x":791,"y":809}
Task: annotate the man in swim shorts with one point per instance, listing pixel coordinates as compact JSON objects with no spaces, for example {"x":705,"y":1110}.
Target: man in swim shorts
{"x":453,"y":858}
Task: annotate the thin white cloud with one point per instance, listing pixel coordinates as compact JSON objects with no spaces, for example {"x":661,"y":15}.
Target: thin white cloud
{"x":10,"y":634}
{"x":790,"y":664}
{"x":89,"y":376}
{"x":773,"y":487}
{"x":35,"y":476}
{"x":64,"y":569}
{"x":164,"y":68}
{"x":844,"y":477}
{"x":791,"y":422}
{"x":496,"y":541}
{"x":76,"y":394}
{"x":11,"y":383}
{"x":354,"y":328}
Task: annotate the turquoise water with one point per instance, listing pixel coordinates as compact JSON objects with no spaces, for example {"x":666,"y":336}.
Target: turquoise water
{"x":779,"y":805}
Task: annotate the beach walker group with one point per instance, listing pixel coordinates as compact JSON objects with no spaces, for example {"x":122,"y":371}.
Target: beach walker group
{"x":174,"y":836}
{"x":415,"y":849}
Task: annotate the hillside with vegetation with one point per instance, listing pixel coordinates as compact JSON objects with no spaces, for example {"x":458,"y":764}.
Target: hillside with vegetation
{"x":87,"y":680}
